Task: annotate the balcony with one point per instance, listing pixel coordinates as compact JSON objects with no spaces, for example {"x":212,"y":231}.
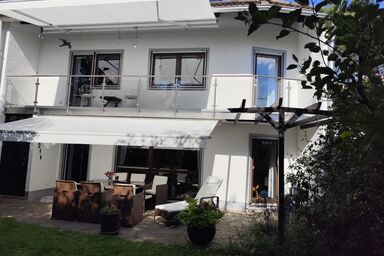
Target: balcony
{"x":141,"y":96}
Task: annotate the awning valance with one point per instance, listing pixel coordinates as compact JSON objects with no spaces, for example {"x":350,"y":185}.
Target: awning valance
{"x":83,"y":14}
{"x":142,"y":132}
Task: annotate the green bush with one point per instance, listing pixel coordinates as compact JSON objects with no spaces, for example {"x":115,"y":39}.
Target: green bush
{"x":200,"y":215}
{"x":258,"y":238}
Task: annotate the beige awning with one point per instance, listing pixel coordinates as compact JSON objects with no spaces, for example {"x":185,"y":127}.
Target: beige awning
{"x":92,"y":14}
{"x":142,"y":132}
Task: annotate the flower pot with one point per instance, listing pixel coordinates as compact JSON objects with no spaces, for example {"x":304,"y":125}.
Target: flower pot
{"x":201,"y":236}
{"x":109,"y":224}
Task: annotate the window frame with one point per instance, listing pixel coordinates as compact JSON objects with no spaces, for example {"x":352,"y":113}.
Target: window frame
{"x":178,"y":69}
{"x":95,"y":54}
{"x":266,"y":52}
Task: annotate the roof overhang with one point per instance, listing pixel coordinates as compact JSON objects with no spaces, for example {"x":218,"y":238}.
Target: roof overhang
{"x":139,"y":132}
{"x":68,"y":15}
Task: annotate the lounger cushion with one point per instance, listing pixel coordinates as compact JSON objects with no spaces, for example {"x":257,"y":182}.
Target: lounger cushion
{"x":172,"y":207}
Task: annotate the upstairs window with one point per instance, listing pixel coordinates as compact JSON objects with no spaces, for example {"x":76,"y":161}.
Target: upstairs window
{"x":182,"y":69}
{"x":87,"y":64}
{"x":268,"y":69}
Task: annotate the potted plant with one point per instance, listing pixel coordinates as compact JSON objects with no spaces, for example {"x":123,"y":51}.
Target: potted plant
{"x":200,"y":220}
{"x":109,"y":220}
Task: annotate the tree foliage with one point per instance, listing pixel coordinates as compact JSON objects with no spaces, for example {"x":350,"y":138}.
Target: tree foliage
{"x":341,"y":176}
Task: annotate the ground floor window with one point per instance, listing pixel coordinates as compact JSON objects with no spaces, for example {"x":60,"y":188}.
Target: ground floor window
{"x":264,"y":175}
{"x":180,"y":166}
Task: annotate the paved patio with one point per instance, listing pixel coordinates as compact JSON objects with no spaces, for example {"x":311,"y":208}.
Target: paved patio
{"x":36,"y":212}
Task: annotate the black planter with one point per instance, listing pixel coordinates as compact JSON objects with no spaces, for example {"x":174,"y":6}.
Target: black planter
{"x":109,"y":224}
{"x":201,"y":236}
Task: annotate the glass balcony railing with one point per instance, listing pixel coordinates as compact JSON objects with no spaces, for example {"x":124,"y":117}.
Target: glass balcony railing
{"x":137,"y":93}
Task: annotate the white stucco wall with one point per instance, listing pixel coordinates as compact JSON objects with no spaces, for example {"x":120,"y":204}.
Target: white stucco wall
{"x":22,"y":57}
{"x":230,"y":52}
{"x":101,"y":160}
{"x":44,"y":167}
{"x":227,"y":155}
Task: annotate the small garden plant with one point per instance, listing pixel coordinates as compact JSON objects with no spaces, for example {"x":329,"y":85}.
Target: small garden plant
{"x":200,"y":215}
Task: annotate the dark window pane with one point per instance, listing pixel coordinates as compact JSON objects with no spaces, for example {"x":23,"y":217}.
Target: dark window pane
{"x":81,"y":65}
{"x":131,"y":157}
{"x":176,"y":159}
{"x":108,"y":65}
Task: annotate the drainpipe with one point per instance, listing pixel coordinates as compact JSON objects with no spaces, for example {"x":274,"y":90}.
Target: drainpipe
{"x":3,"y":82}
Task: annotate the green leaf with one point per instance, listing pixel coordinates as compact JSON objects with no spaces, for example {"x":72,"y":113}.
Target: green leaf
{"x":306,"y":64}
{"x":302,"y":2}
{"x":292,"y":66}
{"x":313,"y":47}
{"x":289,"y":19}
{"x":316,"y":63}
{"x":259,"y":17}
{"x":320,"y":5}
{"x":294,"y":57}
{"x":252,"y":28}
{"x":310,"y":21}
{"x":282,"y":34}
{"x":243,"y":16}
{"x":305,"y":86}
{"x":346,"y":134}
{"x":332,"y":57}
{"x":273,"y":11}
{"x":252,"y":8}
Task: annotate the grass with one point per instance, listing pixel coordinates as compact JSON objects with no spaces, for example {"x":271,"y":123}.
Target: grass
{"x":19,"y":239}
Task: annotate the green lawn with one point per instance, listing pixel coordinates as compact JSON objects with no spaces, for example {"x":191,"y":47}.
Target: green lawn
{"x":26,"y":239}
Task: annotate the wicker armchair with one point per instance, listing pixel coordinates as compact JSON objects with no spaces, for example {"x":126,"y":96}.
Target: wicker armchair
{"x":131,"y":205}
{"x":89,"y":202}
{"x":159,"y":190}
{"x":65,"y":200}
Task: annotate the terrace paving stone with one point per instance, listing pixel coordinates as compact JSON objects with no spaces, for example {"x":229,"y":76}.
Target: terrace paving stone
{"x":36,"y":212}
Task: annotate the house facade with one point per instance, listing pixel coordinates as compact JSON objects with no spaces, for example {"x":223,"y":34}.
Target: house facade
{"x":88,"y":88}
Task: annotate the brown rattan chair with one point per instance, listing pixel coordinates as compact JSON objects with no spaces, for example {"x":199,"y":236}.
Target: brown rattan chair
{"x":64,"y":200}
{"x":159,"y":190}
{"x":89,"y":203}
{"x":131,"y":205}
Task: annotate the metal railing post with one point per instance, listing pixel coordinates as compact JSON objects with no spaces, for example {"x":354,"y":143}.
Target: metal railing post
{"x":255,"y":84}
{"x":68,"y":95}
{"x":139,"y":88}
{"x":102,"y":95}
{"x":289,"y":94}
{"x":214,"y":97}
{"x":36,"y":93}
{"x":176,"y":96}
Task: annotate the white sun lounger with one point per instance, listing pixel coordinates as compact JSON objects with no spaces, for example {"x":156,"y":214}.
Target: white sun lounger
{"x":209,"y":189}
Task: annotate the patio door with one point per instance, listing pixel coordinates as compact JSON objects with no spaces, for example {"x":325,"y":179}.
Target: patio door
{"x":82,"y":66}
{"x":75,"y":162}
{"x":264,"y":174}
{"x":14,"y":163}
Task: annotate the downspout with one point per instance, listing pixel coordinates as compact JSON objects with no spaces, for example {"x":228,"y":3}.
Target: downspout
{"x":3,"y":57}
{"x":4,"y":42}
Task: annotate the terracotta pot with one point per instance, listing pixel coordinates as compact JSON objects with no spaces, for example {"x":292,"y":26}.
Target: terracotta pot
{"x":201,"y":236}
{"x":109,"y":224}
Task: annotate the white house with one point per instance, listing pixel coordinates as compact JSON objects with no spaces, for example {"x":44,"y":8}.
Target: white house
{"x":144,"y":86}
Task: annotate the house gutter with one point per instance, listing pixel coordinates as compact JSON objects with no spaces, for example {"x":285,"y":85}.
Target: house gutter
{"x":241,"y":8}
